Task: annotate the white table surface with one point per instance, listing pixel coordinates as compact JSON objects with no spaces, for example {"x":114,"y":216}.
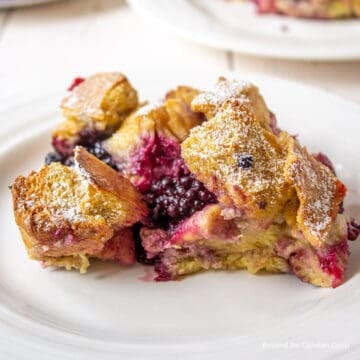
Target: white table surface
{"x":44,"y":47}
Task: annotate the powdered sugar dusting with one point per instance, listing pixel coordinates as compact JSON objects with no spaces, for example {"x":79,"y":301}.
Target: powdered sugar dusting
{"x":212,"y":151}
{"x":147,"y":109}
{"x":224,"y":90}
{"x":82,"y":172}
{"x":317,"y":190}
{"x":85,"y":102}
{"x":61,"y":198}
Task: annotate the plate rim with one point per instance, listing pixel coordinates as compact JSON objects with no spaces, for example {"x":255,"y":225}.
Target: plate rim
{"x":141,"y":7}
{"x":40,"y":124}
{"x":11,"y":4}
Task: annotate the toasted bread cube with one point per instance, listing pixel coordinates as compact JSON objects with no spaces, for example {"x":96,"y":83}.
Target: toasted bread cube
{"x":154,"y":130}
{"x":209,"y":102}
{"x":94,"y":108}
{"x":67,"y":215}
{"x":239,"y":161}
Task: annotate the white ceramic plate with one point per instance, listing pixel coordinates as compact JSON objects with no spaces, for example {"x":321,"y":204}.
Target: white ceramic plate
{"x":110,"y":313}
{"x":234,"y":25}
{"x":19,"y":3}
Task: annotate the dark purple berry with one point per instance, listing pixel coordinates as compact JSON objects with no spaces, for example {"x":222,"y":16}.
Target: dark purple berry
{"x":189,"y":194}
{"x":69,"y":162}
{"x":186,"y":182}
{"x":173,"y":199}
{"x":183,"y":202}
{"x":172,"y":211}
{"x":353,"y":230}
{"x":52,"y":157}
{"x":202,"y":195}
{"x":196,"y":185}
{"x":165,"y":182}
{"x":97,"y":150}
{"x":90,"y":138}
{"x":245,"y":161}
{"x":341,"y":208}
{"x":262,"y":204}
{"x":150,"y":197}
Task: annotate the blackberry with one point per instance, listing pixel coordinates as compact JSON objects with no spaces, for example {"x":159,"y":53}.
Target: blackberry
{"x":172,"y":200}
{"x":52,"y":156}
{"x":69,"y":161}
{"x":245,"y":161}
{"x":97,"y":150}
{"x":262,"y":204}
{"x":353,"y":230}
{"x":90,"y":136}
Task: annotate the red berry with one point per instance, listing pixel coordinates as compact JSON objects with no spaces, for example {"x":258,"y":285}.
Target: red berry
{"x":77,"y":81}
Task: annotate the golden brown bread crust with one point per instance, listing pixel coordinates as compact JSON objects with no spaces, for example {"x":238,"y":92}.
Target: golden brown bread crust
{"x":181,"y":117}
{"x":185,"y":94}
{"x":172,"y":118}
{"x":260,"y":176}
{"x":247,"y":94}
{"x":106,"y":178}
{"x":103,"y":97}
{"x":319,"y":192}
{"x":143,"y":124}
{"x":320,"y":9}
{"x":63,"y":213}
{"x":101,"y":102}
{"x":213,"y":152}
{"x":280,"y":179}
{"x":356,"y":6}
{"x":119,"y":248}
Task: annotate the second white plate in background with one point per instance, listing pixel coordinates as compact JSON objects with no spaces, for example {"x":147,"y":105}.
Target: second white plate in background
{"x":236,"y":26}
{"x":19,"y":3}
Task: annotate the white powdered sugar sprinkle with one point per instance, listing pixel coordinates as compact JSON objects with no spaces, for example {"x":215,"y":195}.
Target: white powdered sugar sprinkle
{"x":147,"y":109}
{"x":224,"y":90}
{"x":317,"y":188}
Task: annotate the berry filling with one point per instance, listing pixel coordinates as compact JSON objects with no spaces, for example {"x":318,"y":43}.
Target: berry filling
{"x":52,"y":156}
{"x":156,"y":157}
{"x":77,"y":81}
{"x":324,"y":9}
{"x":90,"y":139}
{"x":140,"y":252}
{"x":325,"y":161}
{"x":62,"y":146}
{"x":353,"y":230}
{"x":171,"y":192}
{"x":333,"y":261}
{"x":172,"y":200}
{"x":162,"y":272}
{"x":265,"y":6}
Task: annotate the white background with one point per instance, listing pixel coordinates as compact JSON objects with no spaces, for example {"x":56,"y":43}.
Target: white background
{"x":44,"y":47}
